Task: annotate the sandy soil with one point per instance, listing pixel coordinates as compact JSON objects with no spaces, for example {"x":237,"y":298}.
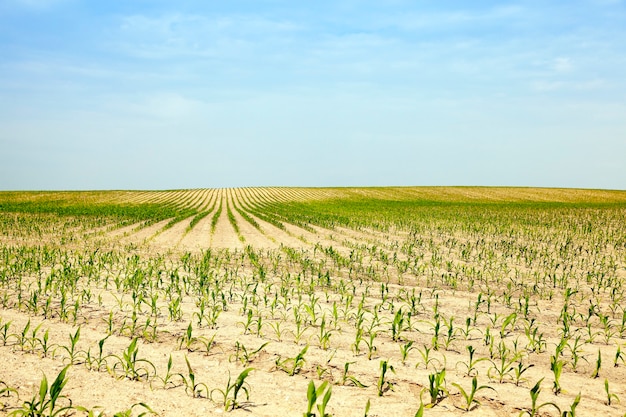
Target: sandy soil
{"x":285,"y":262}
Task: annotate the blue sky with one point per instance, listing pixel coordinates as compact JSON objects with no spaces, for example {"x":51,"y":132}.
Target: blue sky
{"x":142,"y":94}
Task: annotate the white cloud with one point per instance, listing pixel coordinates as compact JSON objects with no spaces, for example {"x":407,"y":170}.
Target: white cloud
{"x":562,"y":64}
{"x":581,"y":86}
{"x":156,"y":107}
{"x":413,"y":21}
{"x":170,"y":35}
{"x":546,"y":86}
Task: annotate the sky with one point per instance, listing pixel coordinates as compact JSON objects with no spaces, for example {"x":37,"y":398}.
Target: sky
{"x":155,"y":94}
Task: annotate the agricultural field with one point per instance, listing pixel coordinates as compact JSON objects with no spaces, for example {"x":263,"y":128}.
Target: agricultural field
{"x":350,"y":302}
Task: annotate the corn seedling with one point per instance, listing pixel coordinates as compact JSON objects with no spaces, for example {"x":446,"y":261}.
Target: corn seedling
{"x":128,"y":412}
{"x":619,"y":356}
{"x":572,"y":409}
{"x":168,"y":379}
{"x":575,"y":350}
{"x":324,"y":335}
{"x":519,"y":370}
{"x":313,"y":394}
{"x":470,"y":396}
{"x":244,"y":355}
{"x":99,"y":362}
{"x":397,"y":325}
{"x":278,"y":331}
{"x":609,"y":395}
{"x":556,"y":366}
{"x":187,"y":340}
{"x":596,"y":372}
{"x":427,"y":359}
{"x":436,"y":387}
{"x":508,"y":324}
{"x":504,"y":365}
{"x":230,"y":394}
{"x":74,"y":355}
{"x":450,"y":335}
{"x":6,"y":391}
{"x":470,"y":365}
{"x":22,"y":337}
{"x":4,"y":332}
{"x":405,"y":349}
{"x":383,"y":384}
{"x":293,"y":365}
{"x":371,"y":348}
{"x":347,"y":378}
{"x":132,"y":367}
{"x":534,"y":409}
{"x":208,"y":343}
{"x":45,"y":403}
{"x":536,"y":341}
{"x":466,"y":331}
{"x":192,"y":387}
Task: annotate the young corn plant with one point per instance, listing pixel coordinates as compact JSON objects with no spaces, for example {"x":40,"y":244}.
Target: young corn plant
{"x":470,"y":365}
{"x":132,"y":367}
{"x":278,"y":331}
{"x":572,"y":408}
{"x":436,"y":388}
{"x":534,"y":409}
{"x":294,"y":365}
{"x":187,"y":340}
{"x":191,"y":386}
{"x":32,"y":341}
{"x":556,"y":366}
{"x":98,"y":362}
{"x":130,"y":412}
{"x":347,"y":378}
{"x":596,"y":372}
{"x":450,"y":335}
{"x":324,"y":335}
{"x":383,"y":384}
{"x":609,"y":395}
{"x":576,"y":351}
{"x":536,"y":341}
{"x":427,"y":359}
{"x":519,"y":370}
{"x":405,"y":349}
{"x":371,"y":348}
{"x":168,"y":379}
{"x":75,"y":356}
{"x":466,"y":331}
{"x":208,"y":343}
{"x":45,"y":345}
{"x":397,"y":325}
{"x":470,"y":396}
{"x":229,"y":395}
{"x":22,"y":339}
{"x":313,"y":394}
{"x":508,"y":325}
{"x":7,"y":391}
{"x":619,"y":356}
{"x":503,"y":367}
{"x":45,"y":403}
{"x":4,"y":333}
{"x":244,"y":355}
